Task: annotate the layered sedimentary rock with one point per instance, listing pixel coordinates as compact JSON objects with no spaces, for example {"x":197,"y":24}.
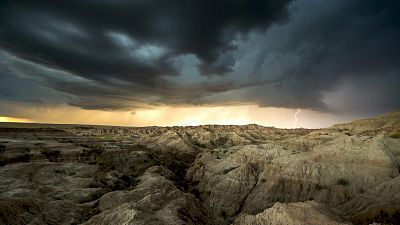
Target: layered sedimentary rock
{"x":72,"y":174}
{"x":301,"y":213}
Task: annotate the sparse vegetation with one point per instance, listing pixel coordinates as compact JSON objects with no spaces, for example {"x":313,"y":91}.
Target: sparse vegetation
{"x":220,"y":141}
{"x":227,"y":170}
{"x":380,"y":216}
{"x":196,"y":192}
{"x":343,"y":182}
{"x":318,"y":187}
{"x":395,"y":134}
{"x":92,"y":162}
{"x":201,"y":145}
{"x":224,"y":215}
{"x":100,"y":162}
{"x":345,"y":129}
{"x":51,"y":155}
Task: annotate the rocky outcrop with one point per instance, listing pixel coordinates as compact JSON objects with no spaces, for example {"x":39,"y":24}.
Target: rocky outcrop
{"x":252,"y":178}
{"x":386,"y":124}
{"x":381,"y":203}
{"x":47,"y":193}
{"x":154,"y":200}
{"x":302,"y":213}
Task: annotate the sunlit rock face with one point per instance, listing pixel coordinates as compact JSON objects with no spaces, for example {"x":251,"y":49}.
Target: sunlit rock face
{"x":300,"y":213}
{"x":76,"y":174}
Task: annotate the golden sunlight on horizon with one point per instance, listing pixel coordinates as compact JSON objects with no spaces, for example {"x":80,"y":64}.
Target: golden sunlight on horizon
{"x":175,"y":116}
{"x":14,"y":120}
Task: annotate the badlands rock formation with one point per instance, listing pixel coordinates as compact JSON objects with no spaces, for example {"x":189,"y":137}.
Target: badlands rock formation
{"x":74,"y":174}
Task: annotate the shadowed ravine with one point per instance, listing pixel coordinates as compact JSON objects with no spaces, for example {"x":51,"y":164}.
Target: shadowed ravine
{"x":78,"y":174}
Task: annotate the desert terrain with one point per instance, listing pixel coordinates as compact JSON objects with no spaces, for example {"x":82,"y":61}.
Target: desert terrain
{"x":207,"y":175}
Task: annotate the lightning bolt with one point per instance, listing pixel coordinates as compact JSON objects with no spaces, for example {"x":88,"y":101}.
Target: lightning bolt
{"x":295,"y":118}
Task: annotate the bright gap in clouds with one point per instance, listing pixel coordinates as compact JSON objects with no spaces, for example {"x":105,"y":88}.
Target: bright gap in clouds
{"x":176,"y":116}
{"x":14,"y":120}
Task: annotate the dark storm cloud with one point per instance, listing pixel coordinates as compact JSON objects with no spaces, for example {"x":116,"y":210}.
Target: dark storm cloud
{"x":135,"y":54}
{"x":327,"y":47}
{"x":94,"y":38}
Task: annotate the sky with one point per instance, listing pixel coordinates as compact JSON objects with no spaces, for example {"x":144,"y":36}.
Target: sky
{"x":193,"y":62}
